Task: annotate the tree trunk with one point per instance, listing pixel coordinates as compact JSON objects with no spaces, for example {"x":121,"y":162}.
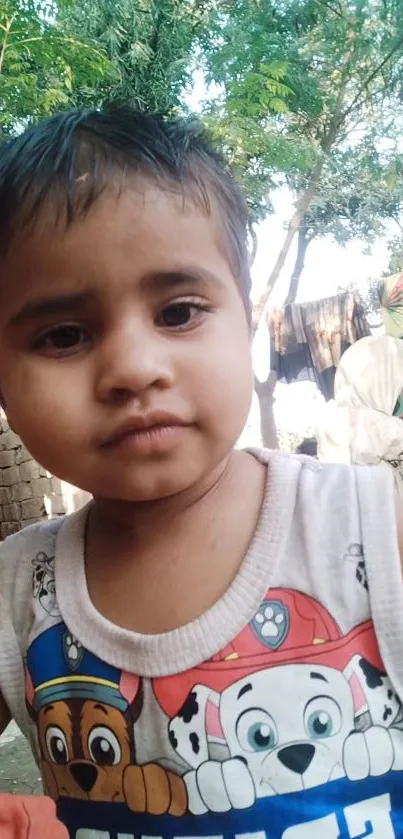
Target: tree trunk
{"x":303,"y":242}
{"x":254,"y":242}
{"x":305,"y":199}
{"x":265,"y":390}
{"x":293,"y":227}
{"x":265,"y":394}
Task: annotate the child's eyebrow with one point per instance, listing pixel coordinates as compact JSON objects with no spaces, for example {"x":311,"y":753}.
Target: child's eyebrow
{"x":181,"y":276}
{"x":154,"y":281}
{"x":49,"y":306}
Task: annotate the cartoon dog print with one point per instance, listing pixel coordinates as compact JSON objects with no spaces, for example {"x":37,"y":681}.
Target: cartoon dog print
{"x":88,"y":752}
{"x":288,"y":728}
{"x":43,"y":583}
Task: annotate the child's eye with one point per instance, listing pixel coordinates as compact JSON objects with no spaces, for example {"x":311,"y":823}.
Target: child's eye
{"x":180,"y":315}
{"x":65,"y":339}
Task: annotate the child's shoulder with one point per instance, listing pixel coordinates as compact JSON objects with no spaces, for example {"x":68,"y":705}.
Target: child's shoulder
{"x":306,"y":470}
{"x":39,"y":534}
{"x":24,"y":552}
{"x":303,"y":465}
{"x":329,"y":496}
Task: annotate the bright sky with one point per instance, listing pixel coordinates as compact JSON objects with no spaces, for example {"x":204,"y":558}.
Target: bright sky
{"x":327,"y":267}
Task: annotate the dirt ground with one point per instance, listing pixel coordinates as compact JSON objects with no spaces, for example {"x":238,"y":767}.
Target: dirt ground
{"x":18,"y":771}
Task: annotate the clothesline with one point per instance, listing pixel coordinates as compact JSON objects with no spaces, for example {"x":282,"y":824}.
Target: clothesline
{"x":307,"y":340}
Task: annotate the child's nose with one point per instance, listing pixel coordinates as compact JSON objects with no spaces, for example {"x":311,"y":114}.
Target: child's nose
{"x":129,"y":365}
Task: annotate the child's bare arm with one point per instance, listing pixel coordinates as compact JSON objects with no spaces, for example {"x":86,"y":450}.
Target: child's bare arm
{"x":5,"y":715}
{"x":31,"y":817}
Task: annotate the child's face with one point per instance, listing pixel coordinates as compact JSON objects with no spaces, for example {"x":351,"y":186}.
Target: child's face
{"x":131,"y":314}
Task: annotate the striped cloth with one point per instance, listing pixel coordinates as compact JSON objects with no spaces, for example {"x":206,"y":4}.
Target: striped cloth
{"x":391,"y":299}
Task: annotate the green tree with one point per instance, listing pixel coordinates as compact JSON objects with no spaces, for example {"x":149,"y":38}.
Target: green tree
{"x":343,"y":65}
{"x":247,"y":55}
{"x":361,"y":192}
{"x":395,"y":248}
{"x":149,"y":43}
{"x":39,"y":63}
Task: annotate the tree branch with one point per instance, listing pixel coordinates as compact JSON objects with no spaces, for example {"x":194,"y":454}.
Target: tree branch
{"x":399,"y":223}
{"x":6,"y":29}
{"x":63,"y":40}
{"x":254,"y":241}
{"x":370,"y":78}
{"x":305,"y":200}
{"x":338,"y":118}
{"x":329,"y":6}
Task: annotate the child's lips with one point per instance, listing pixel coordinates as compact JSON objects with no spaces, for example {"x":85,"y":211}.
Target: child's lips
{"x":148,"y":432}
{"x":158,"y":439}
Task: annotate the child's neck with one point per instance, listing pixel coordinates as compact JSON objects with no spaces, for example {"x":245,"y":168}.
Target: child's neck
{"x":157,"y":567}
{"x":138,"y":520}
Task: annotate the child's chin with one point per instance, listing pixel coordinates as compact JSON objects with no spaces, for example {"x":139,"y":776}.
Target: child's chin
{"x":153,"y":485}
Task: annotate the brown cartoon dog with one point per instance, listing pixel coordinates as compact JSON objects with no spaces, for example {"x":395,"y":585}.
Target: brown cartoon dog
{"x":85,"y":727}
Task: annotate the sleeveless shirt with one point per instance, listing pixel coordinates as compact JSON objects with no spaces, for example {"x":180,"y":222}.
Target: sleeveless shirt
{"x":277,"y":714}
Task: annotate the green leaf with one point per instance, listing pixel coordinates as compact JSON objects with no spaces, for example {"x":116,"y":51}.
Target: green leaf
{"x":278,"y":105}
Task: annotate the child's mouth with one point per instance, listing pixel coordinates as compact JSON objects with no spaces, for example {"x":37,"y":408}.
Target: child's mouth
{"x":147,"y":435}
{"x":159,"y":438}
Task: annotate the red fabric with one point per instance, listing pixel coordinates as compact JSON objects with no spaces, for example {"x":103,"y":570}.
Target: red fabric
{"x":29,"y":817}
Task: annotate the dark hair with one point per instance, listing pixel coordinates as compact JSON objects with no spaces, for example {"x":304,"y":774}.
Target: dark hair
{"x":308,"y":446}
{"x":72,"y":158}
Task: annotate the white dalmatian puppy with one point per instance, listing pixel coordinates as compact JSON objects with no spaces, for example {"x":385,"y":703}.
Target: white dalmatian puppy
{"x":288,"y":728}
{"x":195,"y":734}
{"x":373,"y":693}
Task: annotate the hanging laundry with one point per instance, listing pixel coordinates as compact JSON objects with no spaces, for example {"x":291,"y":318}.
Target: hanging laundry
{"x":307,"y":340}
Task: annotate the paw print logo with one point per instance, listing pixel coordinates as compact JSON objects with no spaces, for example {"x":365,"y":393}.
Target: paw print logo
{"x":355,"y":553}
{"x":271,"y":623}
{"x":73,"y":651}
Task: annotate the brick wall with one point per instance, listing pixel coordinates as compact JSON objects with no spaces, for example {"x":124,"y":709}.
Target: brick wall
{"x":28,"y":493}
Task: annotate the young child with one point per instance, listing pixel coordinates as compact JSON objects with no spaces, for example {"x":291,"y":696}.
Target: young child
{"x":212,"y":647}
